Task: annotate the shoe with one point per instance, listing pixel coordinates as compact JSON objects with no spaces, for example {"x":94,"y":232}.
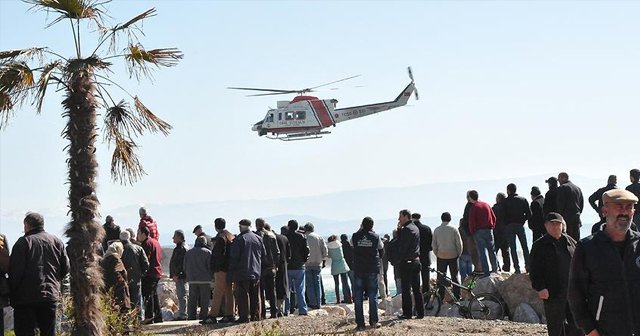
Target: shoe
{"x":517,"y":272}
{"x":376,"y":325}
{"x":209,"y":320}
{"x":419,"y":317}
{"x":147,"y":321}
{"x":242,"y":321}
{"x":227,"y":319}
{"x":158,"y":320}
{"x":404,"y":317}
{"x":361,"y":328}
{"x":302,"y":314}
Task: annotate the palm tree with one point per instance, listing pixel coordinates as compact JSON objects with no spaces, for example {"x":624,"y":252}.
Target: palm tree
{"x":25,"y":76}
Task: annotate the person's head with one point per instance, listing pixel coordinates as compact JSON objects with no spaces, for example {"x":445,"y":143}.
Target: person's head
{"x":125,"y":237}
{"x":445,"y":217}
{"x":500,"y":197}
{"x":511,"y":189}
{"x":344,"y":237}
{"x":197,"y":230}
{"x":386,"y":236}
{"x":284,"y":230}
{"x":367,"y":224}
{"x":292,"y":225}
{"x":142,"y":212}
{"x":563,"y":178}
{"x":178,"y":237}
{"x":416,"y":216}
{"x":267,"y":227}
{"x":108,"y":220}
{"x":472,"y":196}
{"x":634,"y":175}
{"x":612,"y":179}
{"x":143,"y":234}
{"x":554,"y":224}
{"x":618,"y":210}
{"x":404,"y":216}
{"x":308,"y":227}
{"x":332,"y":238}
{"x":260,"y":223}
{"x":244,"y":225}
{"x":132,"y":233}
{"x":201,"y":241}
{"x":116,"y":248}
{"x":220,"y":224}
{"x":552,"y":182}
{"x":535,"y":192}
{"x":33,"y":220}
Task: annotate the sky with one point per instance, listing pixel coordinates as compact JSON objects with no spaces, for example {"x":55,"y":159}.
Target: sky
{"x":507,"y":89}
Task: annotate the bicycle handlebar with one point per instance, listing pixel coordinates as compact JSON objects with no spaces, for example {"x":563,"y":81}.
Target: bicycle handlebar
{"x":448,"y":279}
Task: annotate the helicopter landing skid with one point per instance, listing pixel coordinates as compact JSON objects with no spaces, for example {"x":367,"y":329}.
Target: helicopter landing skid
{"x":300,"y":136}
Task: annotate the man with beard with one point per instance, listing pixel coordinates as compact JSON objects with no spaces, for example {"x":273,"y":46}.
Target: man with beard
{"x":604,"y":280}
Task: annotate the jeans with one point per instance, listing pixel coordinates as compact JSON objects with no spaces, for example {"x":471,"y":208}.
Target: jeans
{"x":199,"y":295}
{"x":452,"y":264}
{"x":484,"y":242}
{"x":296,"y":283}
{"x":41,"y":315}
{"x":346,"y":290}
{"x":135,"y":295}
{"x":151,"y":302}
{"x":465,"y":266}
{"x":365,"y":282}
{"x":181,"y":292}
{"x":410,"y":280}
{"x":312,"y":281}
{"x":513,"y":230}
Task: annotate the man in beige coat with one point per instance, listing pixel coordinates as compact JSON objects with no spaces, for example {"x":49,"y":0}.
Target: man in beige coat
{"x":447,"y":246}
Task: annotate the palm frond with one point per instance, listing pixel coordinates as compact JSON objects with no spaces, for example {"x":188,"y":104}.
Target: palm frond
{"x":147,"y":14}
{"x":128,"y":27}
{"x":83,"y":64}
{"x":16,"y":80}
{"x":125,"y":165}
{"x":70,"y":9}
{"x":43,"y":82}
{"x":120,"y":121}
{"x":139,"y":60}
{"x":6,"y":109}
{"x":28,"y":53}
{"x":149,"y":120}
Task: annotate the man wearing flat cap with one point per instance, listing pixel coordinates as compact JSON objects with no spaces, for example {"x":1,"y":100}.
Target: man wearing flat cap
{"x":549,"y":273}
{"x":604,"y":280}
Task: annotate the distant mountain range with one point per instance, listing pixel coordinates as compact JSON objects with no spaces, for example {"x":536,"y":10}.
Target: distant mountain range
{"x":333,"y":213}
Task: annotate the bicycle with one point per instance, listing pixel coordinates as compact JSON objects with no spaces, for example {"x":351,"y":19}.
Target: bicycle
{"x":482,"y":306}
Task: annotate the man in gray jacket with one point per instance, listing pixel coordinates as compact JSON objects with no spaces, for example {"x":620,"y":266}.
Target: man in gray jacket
{"x":317,"y":255}
{"x":196,"y":266}
{"x":447,"y":246}
{"x":136,"y":263}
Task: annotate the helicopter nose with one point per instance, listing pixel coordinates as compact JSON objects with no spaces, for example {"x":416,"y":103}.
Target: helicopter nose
{"x":257,"y":126}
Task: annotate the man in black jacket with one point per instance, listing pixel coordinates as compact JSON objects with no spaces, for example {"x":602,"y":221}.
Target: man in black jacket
{"x":595,"y":200}
{"x":176,"y":272}
{"x":408,"y":257}
{"x":499,"y":234}
{"x":282,"y":281}
{"x":536,"y":222}
{"x":516,"y":212}
{"x":604,"y":281}
{"x":426,"y":237}
{"x":222,"y":289}
{"x":136,"y":263}
{"x":37,"y":266}
{"x":551,"y":197}
{"x":269,"y":263}
{"x":111,"y":232}
{"x":570,"y":204}
{"x":549,"y":274}
{"x":295,"y":270}
{"x":347,"y":250}
{"x":367,"y":249}
{"x":634,"y":187}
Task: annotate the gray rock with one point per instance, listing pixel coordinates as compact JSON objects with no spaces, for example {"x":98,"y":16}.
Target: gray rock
{"x":488,"y":285}
{"x":516,"y":290}
{"x":524,"y":313}
{"x":167,"y":314}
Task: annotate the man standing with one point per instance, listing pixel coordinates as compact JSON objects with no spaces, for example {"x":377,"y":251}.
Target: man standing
{"x":536,"y":222}
{"x":268,"y":276}
{"x":37,"y":266}
{"x":482,"y":221}
{"x":367,"y":248}
{"x":464,"y":223}
{"x":177,"y":273}
{"x":347,"y":251}
{"x":408,"y":258}
{"x":570,"y":204}
{"x":317,"y":256}
{"x":148,"y":222}
{"x":136,"y":263}
{"x":245,"y":264}
{"x":197,"y":267}
{"x":447,"y":246}
{"x":550,"y":260}
{"x":499,"y":234}
{"x":199,"y":232}
{"x":295,"y":270}
{"x":604,"y":281}
{"x":152,"y":312}
{"x":595,"y":200}
{"x":551,"y":197}
{"x":426,"y":238}
{"x":634,"y":187}
{"x":111,"y":232}
{"x":282,"y":281}
{"x":516,"y":211}
{"x":220,"y":266}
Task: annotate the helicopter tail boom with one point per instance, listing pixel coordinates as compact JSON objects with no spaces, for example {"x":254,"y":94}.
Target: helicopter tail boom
{"x":354,"y":112}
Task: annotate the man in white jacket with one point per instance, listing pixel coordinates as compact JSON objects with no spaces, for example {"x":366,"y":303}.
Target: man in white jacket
{"x":317,"y":255}
{"x":447,"y":246}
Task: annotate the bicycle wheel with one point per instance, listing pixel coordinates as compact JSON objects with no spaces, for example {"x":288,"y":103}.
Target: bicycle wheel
{"x":486,"y":307}
{"x":432,"y":304}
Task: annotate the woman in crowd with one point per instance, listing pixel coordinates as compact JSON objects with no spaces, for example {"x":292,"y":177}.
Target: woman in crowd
{"x":115,"y":276}
{"x":339,"y":269}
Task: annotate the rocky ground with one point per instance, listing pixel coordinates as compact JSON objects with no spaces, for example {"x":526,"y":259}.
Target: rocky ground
{"x":332,"y":325}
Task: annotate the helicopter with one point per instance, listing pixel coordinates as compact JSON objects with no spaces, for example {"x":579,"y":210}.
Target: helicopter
{"x":307,"y":117}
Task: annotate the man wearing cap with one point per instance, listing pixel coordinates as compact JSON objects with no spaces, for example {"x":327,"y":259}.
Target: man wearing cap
{"x":136,"y":263}
{"x":245,"y":265}
{"x":177,"y":273}
{"x":634,"y":187}
{"x":570,"y":204}
{"x":595,"y":200}
{"x":111,"y":232}
{"x":536,"y":222}
{"x":549,"y":274}
{"x":551,"y":197}
{"x":604,"y":281}
{"x":199,"y":233}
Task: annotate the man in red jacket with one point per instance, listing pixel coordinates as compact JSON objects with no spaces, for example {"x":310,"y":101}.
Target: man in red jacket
{"x":482,"y":221}
{"x":152,"y":312}
{"x":148,"y":222}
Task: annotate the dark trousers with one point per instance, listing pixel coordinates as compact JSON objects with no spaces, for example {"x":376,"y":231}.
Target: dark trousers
{"x":410,"y":280}
{"x":247,"y":293}
{"x":502,"y":245}
{"x":385,"y":268}
{"x":573,"y":227}
{"x":452,"y":264}
{"x":151,"y":302}
{"x":268,"y":292}
{"x":425,"y":275}
{"x":559,"y":319}
{"x":41,"y":315}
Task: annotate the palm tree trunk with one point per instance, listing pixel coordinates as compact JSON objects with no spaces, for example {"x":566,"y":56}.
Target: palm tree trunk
{"x":84,"y":232}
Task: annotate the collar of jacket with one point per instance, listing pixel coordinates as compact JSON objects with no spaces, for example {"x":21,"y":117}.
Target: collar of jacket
{"x":34,"y":231}
{"x":407,"y":223}
{"x":630,"y":236}
{"x":444,"y":223}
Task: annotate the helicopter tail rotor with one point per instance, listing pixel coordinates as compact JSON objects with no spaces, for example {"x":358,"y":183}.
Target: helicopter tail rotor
{"x":415,"y":90}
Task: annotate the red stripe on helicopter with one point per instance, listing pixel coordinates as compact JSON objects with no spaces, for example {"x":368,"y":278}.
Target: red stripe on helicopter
{"x":322,"y":112}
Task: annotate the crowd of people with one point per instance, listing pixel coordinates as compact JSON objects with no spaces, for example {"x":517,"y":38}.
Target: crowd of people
{"x":589,"y":286}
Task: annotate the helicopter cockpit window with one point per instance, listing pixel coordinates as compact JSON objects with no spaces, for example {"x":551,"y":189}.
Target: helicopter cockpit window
{"x":300,"y":115}
{"x":269,"y":118}
{"x":288,"y":116}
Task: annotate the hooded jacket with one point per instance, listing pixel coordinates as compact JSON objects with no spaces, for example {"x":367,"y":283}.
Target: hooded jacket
{"x":115,"y":280}
{"x":150,"y":223}
{"x":338,"y":263}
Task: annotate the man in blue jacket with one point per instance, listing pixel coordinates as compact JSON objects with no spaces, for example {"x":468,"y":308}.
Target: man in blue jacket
{"x":245,"y":265}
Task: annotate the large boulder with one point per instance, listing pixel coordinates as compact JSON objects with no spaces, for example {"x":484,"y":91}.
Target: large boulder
{"x":524,"y":313}
{"x":386,"y":304}
{"x":488,"y":285}
{"x":167,"y":293}
{"x":516,"y":290}
{"x":348,"y":308}
{"x":318,"y":312}
{"x":334,"y":310}
{"x":450,"y":310}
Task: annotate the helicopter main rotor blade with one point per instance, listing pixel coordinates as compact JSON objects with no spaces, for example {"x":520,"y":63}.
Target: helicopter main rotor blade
{"x":341,"y":80}
{"x":265,"y":90}
{"x":270,"y":94}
